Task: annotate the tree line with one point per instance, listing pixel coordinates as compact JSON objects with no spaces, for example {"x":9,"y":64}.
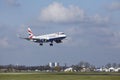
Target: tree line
{"x":78,"y":67}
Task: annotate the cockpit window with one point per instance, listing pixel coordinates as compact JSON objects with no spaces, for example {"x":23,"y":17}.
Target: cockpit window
{"x":61,"y":33}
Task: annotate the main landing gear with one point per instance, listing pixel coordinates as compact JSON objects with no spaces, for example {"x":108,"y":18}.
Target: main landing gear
{"x":51,"y":44}
{"x":41,"y":44}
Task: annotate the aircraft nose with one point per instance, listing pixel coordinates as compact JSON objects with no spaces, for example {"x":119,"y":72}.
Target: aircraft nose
{"x":65,"y":36}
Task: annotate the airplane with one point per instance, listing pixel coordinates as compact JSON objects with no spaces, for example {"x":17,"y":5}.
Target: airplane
{"x":54,"y":37}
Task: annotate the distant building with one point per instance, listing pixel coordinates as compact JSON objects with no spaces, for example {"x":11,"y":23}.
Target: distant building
{"x":111,"y":69}
{"x":117,"y":69}
{"x":56,"y":64}
{"x":70,"y":69}
{"x":53,"y":64}
{"x":50,"y":64}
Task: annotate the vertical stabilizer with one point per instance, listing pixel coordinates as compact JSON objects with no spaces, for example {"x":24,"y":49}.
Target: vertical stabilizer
{"x":30,"y":33}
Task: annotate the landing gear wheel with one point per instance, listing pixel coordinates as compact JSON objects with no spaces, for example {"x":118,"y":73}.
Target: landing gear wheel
{"x":51,"y":44}
{"x":41,"y":44}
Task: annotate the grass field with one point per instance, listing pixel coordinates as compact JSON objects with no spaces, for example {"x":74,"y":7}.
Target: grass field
{"x":59,"y":76}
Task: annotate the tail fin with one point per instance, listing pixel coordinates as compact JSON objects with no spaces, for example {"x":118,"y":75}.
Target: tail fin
{"x":30,"y":33}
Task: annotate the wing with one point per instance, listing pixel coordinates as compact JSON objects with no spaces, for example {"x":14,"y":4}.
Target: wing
{"x":37,"y":40}
{"x":24,"y":38}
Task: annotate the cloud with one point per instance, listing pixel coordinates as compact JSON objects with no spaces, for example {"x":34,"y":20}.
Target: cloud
{"x":99,"y":19}
{"x":4,"y":43}
{"x":96,"y":36}
{"x":115,"y":40}
{"x":58,"y":13}
{"x":115,"y":6}
{"x":13,"y":3}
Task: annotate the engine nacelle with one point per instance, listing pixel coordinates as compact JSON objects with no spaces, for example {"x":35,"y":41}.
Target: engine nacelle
{"x":43,"y":40}
{"x":58,"y":41}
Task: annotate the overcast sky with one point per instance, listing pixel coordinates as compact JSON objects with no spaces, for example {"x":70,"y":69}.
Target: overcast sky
{"x":92,"y":28}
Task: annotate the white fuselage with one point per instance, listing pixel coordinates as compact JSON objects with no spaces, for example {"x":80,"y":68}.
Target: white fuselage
{"x":51,"y":36}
